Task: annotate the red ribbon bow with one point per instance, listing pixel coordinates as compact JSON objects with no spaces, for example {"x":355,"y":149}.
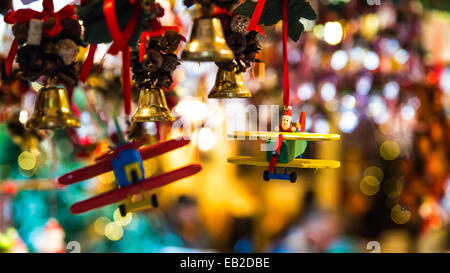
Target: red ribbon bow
{"x":25,"y":15}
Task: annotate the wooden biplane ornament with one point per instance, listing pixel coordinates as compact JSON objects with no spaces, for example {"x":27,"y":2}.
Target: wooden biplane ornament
{"x":126,"y":161}
{"x":286,"y":149}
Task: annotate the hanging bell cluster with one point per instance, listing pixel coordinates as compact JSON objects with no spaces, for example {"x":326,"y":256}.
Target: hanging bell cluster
{"x":207,"y":42}
{"x":52,"y":110}
{"x":229,"y":84}
{"x":152,"y":106}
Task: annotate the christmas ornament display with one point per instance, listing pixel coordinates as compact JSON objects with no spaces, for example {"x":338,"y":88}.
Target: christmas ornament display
{"x":245,"y":46}
{"x":153,"y":72}
{"x":126,"y":161}
{"x":52,"y":109}
{"x":46,"y":44}
{"x":271,"y":12}
{"x":287,"y":145}
{"x":119,"y":22}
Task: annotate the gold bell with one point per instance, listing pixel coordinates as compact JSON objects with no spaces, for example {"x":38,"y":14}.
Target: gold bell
{"x":152,"y":106}
{"x":52,"y":110}
{"x":229,"y":84}
{"x":207,"y":43}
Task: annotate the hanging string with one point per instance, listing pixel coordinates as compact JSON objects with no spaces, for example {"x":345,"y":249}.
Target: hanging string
{"x":285,"y":60}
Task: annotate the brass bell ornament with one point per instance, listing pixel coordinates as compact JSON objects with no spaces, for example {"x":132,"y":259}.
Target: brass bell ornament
{"x":152,"y":106}
{"x":229,"y":84}
{"x":52,"y":109}
{"x":207,"y":42}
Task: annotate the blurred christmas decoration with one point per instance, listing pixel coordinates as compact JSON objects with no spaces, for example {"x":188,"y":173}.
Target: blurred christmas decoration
{"x":49,"y":42}
{"x":245,"y":46}
{"x":207,"y":42}
{"x":52,"y":109}
{"x":122,"y":28}
{"x":126,"y":162}
{"x":152,"y":72}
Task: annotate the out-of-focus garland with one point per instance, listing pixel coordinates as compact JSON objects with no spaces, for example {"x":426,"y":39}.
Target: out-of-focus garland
{"x":48,"y":42}
{"x":159,"y":61}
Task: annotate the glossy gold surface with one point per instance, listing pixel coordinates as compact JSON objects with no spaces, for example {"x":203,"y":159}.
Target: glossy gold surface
{"x":207,"y":42}
{"x":152,"y":106}
{"x":229,"y":84}
{"x":52,"y":110}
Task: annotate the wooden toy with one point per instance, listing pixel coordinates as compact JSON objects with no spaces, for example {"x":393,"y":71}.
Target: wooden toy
{"x":286,"y":150}
{"x":125,"y":161}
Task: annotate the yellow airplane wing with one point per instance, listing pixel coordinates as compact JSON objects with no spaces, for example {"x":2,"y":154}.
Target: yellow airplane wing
{"x":295,"y":163}
{"x":254,"y":135}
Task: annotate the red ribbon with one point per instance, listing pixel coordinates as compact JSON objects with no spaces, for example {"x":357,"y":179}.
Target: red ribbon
{"x":88,"y":63}
{"x":25,"y":15}
{"x":10,"y":59}
{"x":253,"y":25}
{"x":120,"y":43}
{"x":285,"y":60}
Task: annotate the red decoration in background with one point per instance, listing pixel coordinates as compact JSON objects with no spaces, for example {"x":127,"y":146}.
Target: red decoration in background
{"x":11,"y":55}
{"x":88,"y":63}
{"x":120,"y":43}
{"x":25,"y":15}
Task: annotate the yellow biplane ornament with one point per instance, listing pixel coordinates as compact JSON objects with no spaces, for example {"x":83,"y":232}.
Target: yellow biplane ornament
{"x":285,"y":149}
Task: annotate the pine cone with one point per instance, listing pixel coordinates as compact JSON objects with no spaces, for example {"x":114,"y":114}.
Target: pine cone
{"x":29,"y":57}
{"x":49,"y":22}
{"x":158,"y":43}
{"x":71,"y":28}
{"x":236,"y":42}
{"x":152,"y":61}
{"x":67,"y":50}
{"x":20,"y":32}
{"x":239,"y":24}
{"x":164,"y":81}
{"x":173,"y":40}
{"x":170,"y":62}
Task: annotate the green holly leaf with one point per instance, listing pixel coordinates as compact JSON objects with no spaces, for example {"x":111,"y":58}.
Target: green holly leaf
{"x":308,"y":12}
{"x":294,"y":8}
{"x":294,"y":29}
{"x":273,"y":12}
{"x":246,"y":8}
{"x":96,"y":30}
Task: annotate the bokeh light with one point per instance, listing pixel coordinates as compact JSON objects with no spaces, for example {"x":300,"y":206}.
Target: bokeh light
{"x":389,"y":150}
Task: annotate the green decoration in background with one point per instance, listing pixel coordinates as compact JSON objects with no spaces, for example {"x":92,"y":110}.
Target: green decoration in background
{"x":273,"y":13}
{"x":96,"y":30}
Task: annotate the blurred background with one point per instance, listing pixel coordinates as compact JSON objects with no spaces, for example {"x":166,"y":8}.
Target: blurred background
{"x":379,"y":75}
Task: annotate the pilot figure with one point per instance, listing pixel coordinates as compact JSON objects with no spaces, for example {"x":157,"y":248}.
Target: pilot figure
{"x":286,"y":122}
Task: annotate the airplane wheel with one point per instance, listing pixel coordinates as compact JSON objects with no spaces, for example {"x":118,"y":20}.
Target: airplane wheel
{"x":293,"y":177}
{"x":122,"y":210}
{"x":266,"y":175}
{"x":154,"y":201}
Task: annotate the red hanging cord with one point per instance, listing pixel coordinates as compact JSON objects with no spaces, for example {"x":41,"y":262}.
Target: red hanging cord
{"x":285,"y":60}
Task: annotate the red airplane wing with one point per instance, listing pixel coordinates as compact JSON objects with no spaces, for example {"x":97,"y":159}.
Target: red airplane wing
{"x":120,"y":194}
{"x":274,"y":158}
{"x":113,"y":153}
{"x":85,"y":173}
{"x":162,"y":147}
